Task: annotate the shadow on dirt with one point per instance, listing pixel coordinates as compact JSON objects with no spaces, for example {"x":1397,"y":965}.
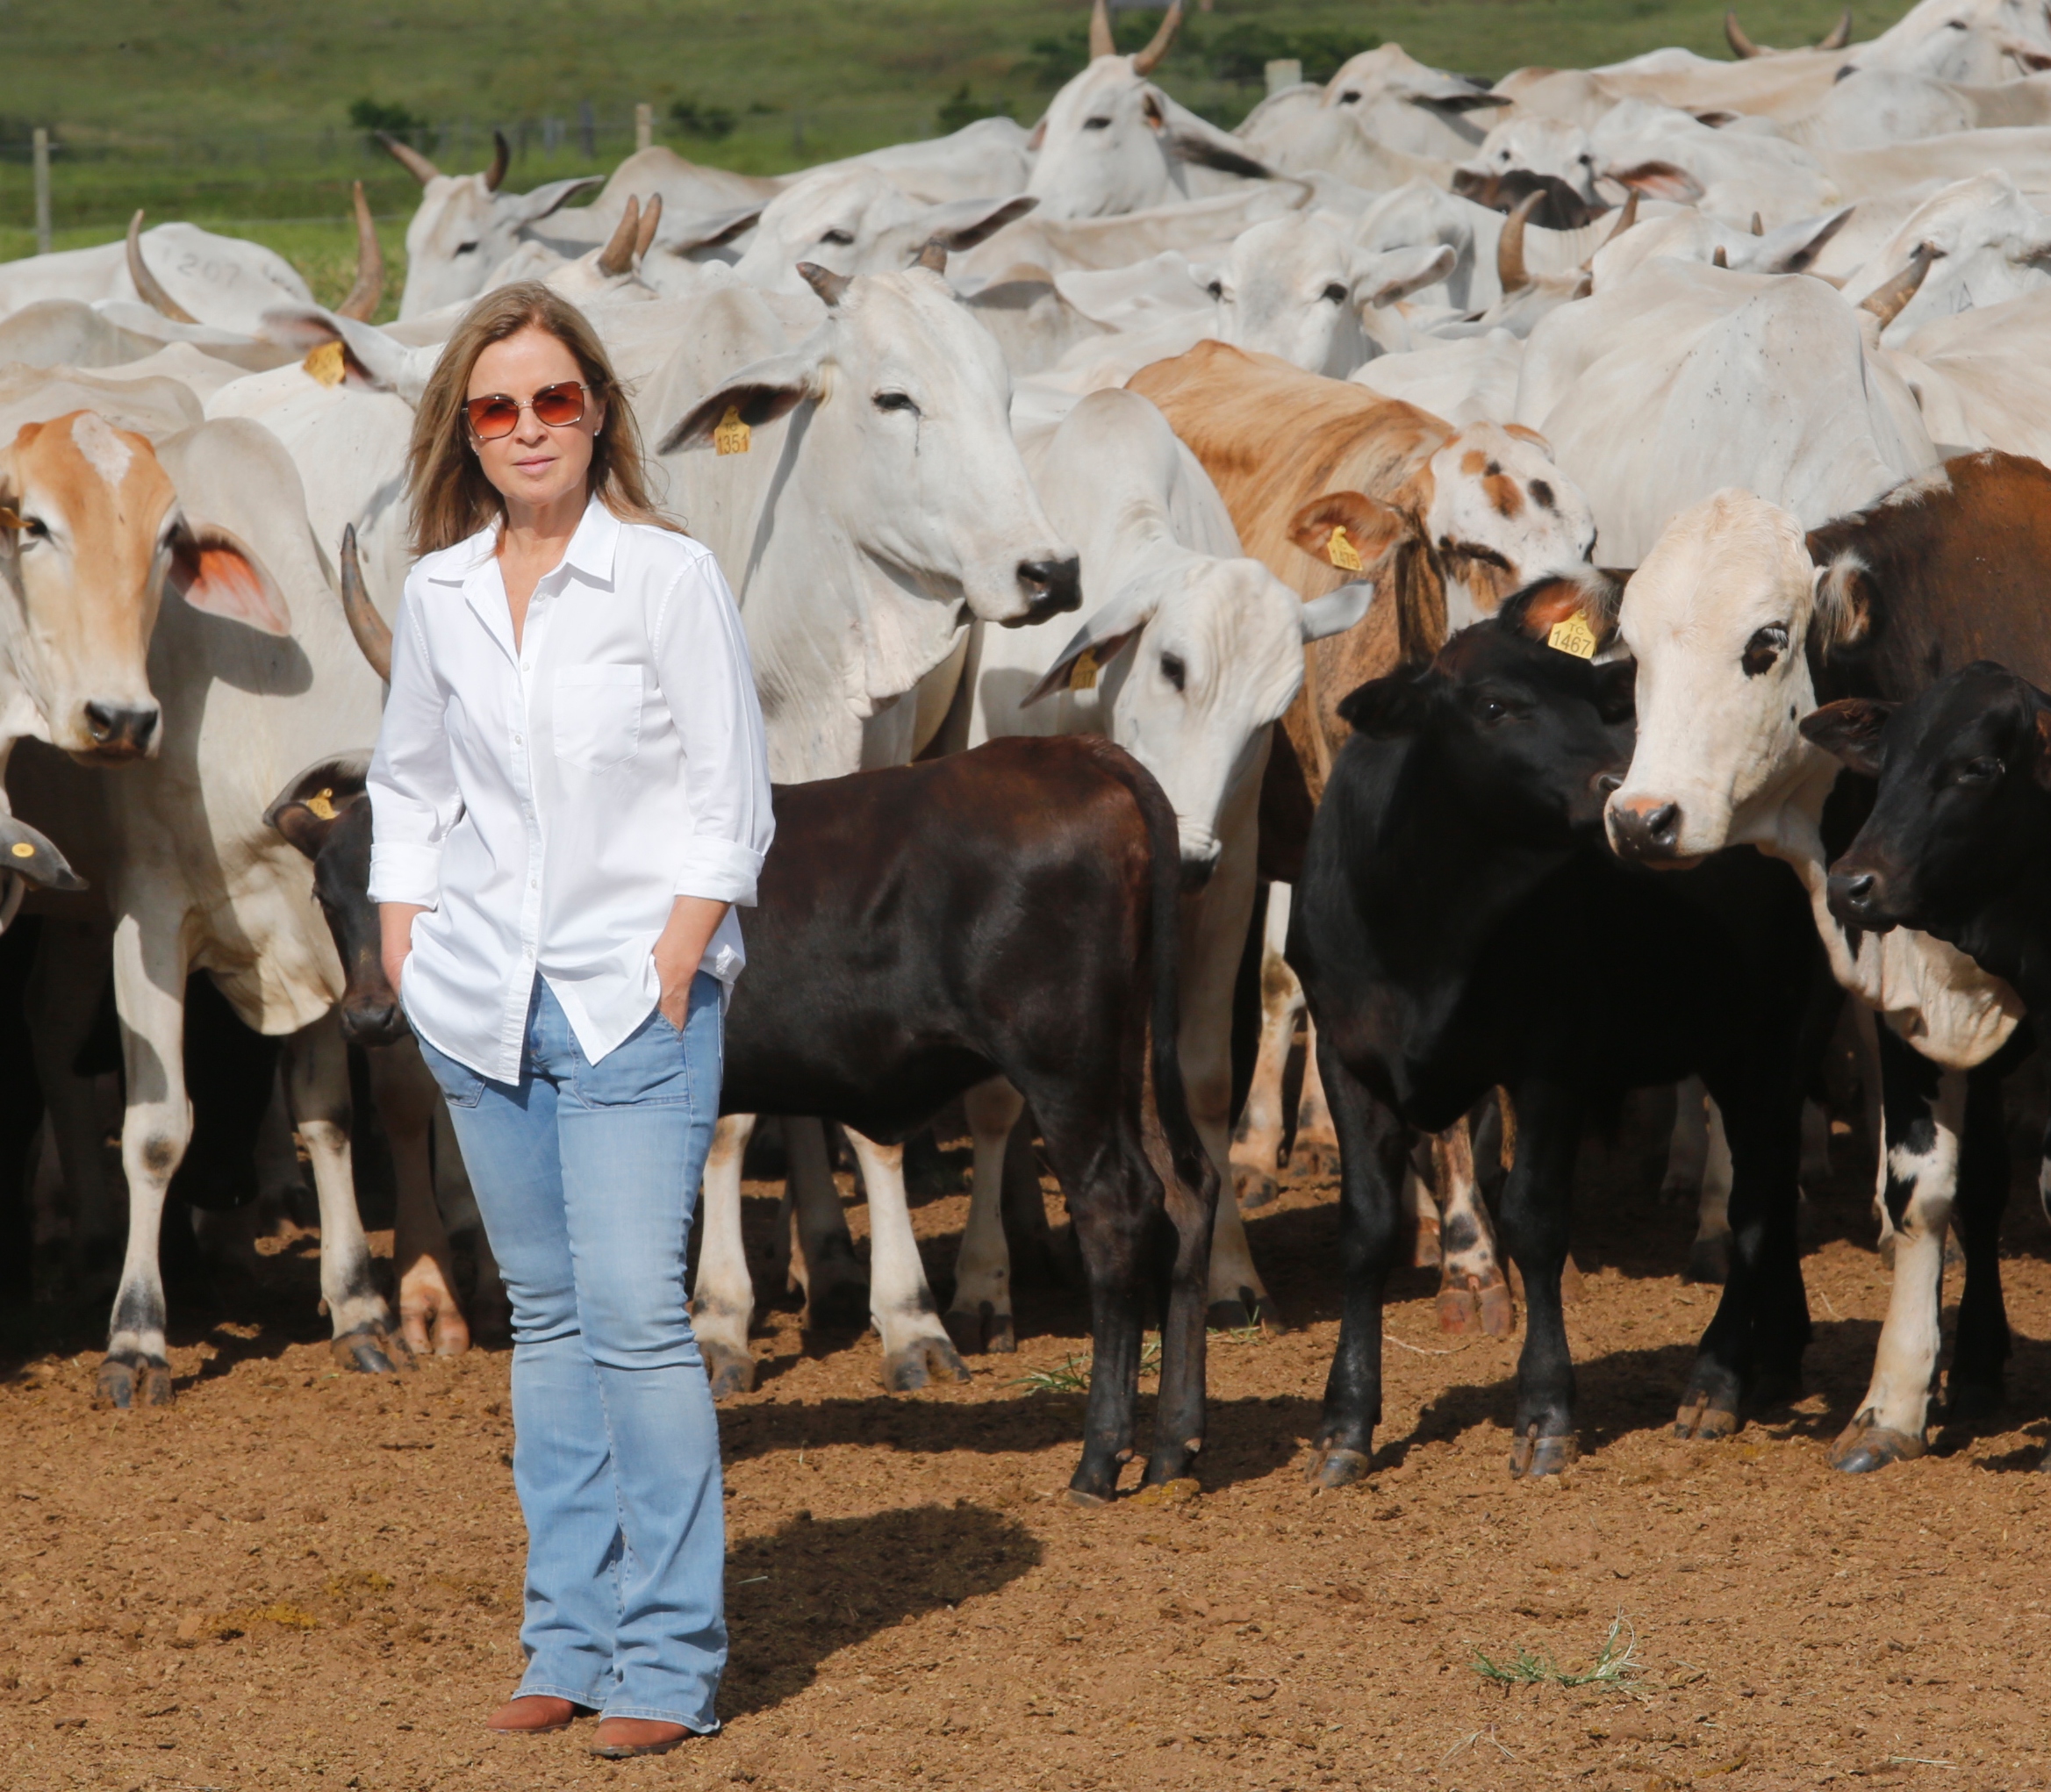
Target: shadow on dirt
{"x":814,"y":1587}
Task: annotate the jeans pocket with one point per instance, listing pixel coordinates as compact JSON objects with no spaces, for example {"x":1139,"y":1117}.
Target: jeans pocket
{"x":460,"y":1086}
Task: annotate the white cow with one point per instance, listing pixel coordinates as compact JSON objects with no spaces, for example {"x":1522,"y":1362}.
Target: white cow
{"x":220,"y":277}
{"x":1192,"y":652}
{"x":1993,"y":245}
{"x":1380,"y":102}
{"x":872,"y":493}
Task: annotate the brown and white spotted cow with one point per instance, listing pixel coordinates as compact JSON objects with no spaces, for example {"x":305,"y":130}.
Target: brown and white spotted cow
{"x":1327,"y":482}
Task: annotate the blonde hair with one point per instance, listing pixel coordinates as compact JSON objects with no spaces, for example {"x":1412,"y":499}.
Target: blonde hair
{"x":452,"y":498}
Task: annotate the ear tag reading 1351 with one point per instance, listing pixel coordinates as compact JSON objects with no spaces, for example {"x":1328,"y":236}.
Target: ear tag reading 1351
{"x":732,"y":437}
{"x":1574,"y":636}
{"x":326,"y":363}
{"x":321,"y":808}
{"x":1083,"y":674}
{"x":1341,"y":552}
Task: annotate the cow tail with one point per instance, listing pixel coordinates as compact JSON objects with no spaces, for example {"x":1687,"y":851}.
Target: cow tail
{"x":1186,"y":1149}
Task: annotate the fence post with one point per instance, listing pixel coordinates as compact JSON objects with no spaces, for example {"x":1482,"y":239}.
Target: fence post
{"x":1284,"y":71}
{"x":42,"y":160}
{"x":644,"y":126}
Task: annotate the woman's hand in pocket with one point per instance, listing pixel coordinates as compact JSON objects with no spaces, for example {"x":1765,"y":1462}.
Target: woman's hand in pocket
{"x":680,"y":947}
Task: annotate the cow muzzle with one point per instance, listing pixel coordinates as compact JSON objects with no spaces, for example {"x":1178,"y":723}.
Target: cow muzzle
{"x":373,"y":1020}
{"x":1052,"y":586}
{"x":1646,"y":830}
{"x":1860,"y":898}
{"x":119,"y":732}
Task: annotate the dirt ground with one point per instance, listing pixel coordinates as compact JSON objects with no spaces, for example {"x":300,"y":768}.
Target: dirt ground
{"x":299,"y":1578}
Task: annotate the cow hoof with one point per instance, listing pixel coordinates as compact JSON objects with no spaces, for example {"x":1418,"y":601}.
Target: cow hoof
{"x":1702,"y":1419}
{"x":1249,"y":1311}
{"x":1251,"y":1189}
{"x":1709,"y":1260}
{"x":2044,"y":1461}
{"x":1863,"y":1446}
{"x":370,"y":1349}
{"x":1315,"y":1154}
{"x":1969,"y":1401}
{"x":728,"y":1371}
{"x":1336,"y":1468}
{"x":1533,"y":1457}
{"x":132,"y":1381}
{"x":922,"y":1361}
{"x":1083,"y":1496}
{"x":1480,"y":1307}
{"x":983,"y":1331}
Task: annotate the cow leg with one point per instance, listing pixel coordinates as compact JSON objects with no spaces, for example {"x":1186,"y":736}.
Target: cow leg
{"x":916,"y":1349}
{"x":1534,"y":1225}
{"x":156,"y":1126}
{"x":837,"y":1291}
{"x":1981,"y":1349}
{"x":1473,"y":1295}
{"x":1183,"y":1224}
{"x":1257,"y":1143}
{"x":430,"y":1317}
{"x":1756,"y":1338}
{"x":317,"y":1080}
{"x":722,"y":1299}
{"x":1421,"y":1218}
{"x":1374,"y":1153}
{"x":978,"y":1317}
{"x":64,"y":990}
{"x":1316,"y":1144}
{"x":1709,"y":1256}
{"x":1923,"y":1116}
{"x":1688,"y":1150}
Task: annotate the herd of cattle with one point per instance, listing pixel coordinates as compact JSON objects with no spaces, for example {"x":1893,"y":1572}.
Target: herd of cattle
{"x":1349,"y":421}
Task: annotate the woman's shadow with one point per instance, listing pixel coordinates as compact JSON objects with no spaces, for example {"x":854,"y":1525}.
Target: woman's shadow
{"x":815,"y":1585}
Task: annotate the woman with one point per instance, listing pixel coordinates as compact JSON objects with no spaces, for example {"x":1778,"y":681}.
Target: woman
{"x":569,"y":794}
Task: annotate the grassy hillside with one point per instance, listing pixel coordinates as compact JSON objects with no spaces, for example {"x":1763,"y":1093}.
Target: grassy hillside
{"x":238,"y":112}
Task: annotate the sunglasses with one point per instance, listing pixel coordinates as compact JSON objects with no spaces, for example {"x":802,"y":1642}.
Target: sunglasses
{"x":498,"y":414}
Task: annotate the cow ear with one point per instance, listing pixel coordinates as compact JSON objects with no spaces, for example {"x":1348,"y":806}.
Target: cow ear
{"x":1037,"y":141}
{"x":1849,"y":729}
{"x":1616,"y":691}
{"x":536,"y":206}
{"x":1660,"y":180}
{"x":1336,"y":612}
{"x":1538,"y":609}
{"x":757,"y":395}
{"x":1384,"y":277}
{"x":961,"y":225}
{"x":1096,"y":644}
{"x":307,"y":807}
{"x":1844,"y":602}
{"x":29,"y":854}
{"x":213,"y":569}
{"x":1372,"y":529}
{"x":1384,"y":708}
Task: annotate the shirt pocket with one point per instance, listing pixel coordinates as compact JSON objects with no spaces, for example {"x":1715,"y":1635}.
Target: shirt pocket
{"x":598,"y":715}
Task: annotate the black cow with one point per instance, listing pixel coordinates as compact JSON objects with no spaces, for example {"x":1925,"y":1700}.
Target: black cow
{"x":1014,"y":912}
{"x":1461,"y":924}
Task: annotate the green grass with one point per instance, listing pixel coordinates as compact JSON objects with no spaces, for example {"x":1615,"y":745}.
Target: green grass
{"x":1071,"y":1374}
{"x":1615,"y":1667}
{"x":235,"y":113}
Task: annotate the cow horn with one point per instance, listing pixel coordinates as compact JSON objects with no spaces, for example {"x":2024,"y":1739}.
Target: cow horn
{"x":1742,"y":45}
{"x":146,"y":283}
{"x":362,"y":302}
{"x":828,"y":285}
{"x":651,"y":216}
{"x":1626,"y":218}
{"x":1758,"y":224}
{"x":1101,"y":42}
{"x":1510,"y":272}
{"x":1838,"y":35}
{"x":617,"y":257}
{"x":365,"y":623}
{"x":1145,"y":62}
{"x":1719,"y":259}
{"x":932,"y":256}
{"x":501,"y":160}
{"x":1887,"y":301}
{"x":409,"y":158}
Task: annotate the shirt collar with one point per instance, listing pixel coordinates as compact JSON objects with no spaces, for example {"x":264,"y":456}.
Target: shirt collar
{"x":591,"y":551}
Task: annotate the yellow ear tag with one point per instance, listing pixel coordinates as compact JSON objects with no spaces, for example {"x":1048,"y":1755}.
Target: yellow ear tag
{"x":732,"y":437}
{"x":21,"y":849}
{"x":1342,"y":553}
{"x":322,"y":806}
{"x":1574,"y":636}
{"x":1082,"y":675}
{"x":326,"y":363}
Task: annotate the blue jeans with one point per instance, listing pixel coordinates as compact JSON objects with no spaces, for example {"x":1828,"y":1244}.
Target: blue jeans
{"x":587,"y":1175}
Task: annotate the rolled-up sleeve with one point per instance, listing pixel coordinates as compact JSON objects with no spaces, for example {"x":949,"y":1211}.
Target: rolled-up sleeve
{"x":413,"y":796}
{"x":708,"y":684}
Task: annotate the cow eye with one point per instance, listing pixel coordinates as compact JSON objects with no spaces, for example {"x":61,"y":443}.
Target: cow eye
{"x":35,"y":529}
{"x":1348,"y":97}
{"x":466,"y":249}
{"x":1492,"y":710}
{"x":1984,"y":769}
{"x":1096,"y":124}
{"x":840,"y":238}
{"x":1334,"y":294}
{"x":1766,"y":646}
{"x":895,"y":401}
{"x":1174,"y":670}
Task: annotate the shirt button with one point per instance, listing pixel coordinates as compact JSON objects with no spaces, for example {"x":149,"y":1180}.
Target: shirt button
{"x":517,"y":740}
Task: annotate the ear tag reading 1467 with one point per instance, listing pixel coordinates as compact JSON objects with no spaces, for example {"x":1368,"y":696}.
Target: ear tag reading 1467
{"x":1083,"y":674}
{"x":1574,"y":636}
{"x":321,"y":808}
{"x":732,"y":436}
{"x":1341,"y":552}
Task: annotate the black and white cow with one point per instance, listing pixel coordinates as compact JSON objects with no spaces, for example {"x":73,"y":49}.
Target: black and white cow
{"x":1460,"y":924}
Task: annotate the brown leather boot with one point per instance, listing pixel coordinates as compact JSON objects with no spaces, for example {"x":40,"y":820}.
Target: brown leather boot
{"x":536,"y":1714}
{"x":620,"y":1739}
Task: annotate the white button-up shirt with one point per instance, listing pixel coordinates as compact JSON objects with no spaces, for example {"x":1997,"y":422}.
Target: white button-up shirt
{"x":549,"y":802}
